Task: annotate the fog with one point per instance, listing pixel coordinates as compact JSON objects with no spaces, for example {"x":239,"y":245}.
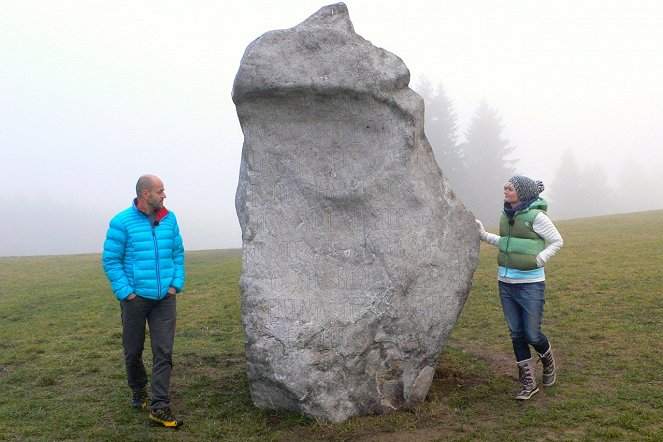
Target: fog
{"x":95,"y":93}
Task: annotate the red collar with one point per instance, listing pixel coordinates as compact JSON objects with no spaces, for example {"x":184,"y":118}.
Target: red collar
{"x":161,"y":213}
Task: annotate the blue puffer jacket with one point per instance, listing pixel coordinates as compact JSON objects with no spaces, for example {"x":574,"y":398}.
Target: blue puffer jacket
{"x":142,"y":258}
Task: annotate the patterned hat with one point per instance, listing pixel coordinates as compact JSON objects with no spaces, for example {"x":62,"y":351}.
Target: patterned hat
{"x":526,"y":188}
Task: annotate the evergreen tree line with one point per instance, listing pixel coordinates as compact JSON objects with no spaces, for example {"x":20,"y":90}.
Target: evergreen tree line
{"x":478,"y":166}
{"x":579,"y":192}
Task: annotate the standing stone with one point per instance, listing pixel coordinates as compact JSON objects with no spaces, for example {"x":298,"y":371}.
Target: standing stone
{"x":357,"y":255}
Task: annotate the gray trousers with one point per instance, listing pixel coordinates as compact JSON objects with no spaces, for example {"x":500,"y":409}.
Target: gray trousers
{"x":160,"y":316}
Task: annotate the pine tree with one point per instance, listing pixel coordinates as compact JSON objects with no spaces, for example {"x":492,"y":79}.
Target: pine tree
{"x":597,"y":194}
{"x":488,"y":167}
{"x":442,"y":130}
{"x":579,"y":193}
{"x":566,"y":187}
{"x":635,"y":189}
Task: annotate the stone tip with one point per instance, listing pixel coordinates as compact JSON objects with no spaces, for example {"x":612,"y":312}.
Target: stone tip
{"x":321,"y":54}
{"x":336,"y":15}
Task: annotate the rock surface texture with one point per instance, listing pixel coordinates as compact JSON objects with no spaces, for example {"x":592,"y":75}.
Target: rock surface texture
{"x":357,"y":256}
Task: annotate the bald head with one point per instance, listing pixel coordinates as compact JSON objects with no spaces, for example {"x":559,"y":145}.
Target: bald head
{"x":145,"y":182}
{"x":150,"y":194}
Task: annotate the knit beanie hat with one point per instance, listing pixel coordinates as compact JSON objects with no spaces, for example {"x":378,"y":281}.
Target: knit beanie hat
{"x":526,"y":188}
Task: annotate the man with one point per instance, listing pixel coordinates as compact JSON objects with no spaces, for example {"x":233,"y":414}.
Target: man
{"x":144,"y":260}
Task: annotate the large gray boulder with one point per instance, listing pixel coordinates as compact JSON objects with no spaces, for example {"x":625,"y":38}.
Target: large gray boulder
{"x":358,"y":256}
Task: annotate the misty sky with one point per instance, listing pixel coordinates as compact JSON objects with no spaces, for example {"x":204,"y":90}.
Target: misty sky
{"x":95,"y":93}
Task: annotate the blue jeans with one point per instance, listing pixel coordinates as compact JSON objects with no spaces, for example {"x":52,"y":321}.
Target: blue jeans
{"x":161,"y":317}
{"x":523,"y":311}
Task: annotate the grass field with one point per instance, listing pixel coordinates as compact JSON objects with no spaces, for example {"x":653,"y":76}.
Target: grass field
{"x":62,"y":376}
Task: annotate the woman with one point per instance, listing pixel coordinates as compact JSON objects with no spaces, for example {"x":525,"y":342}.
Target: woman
{"x":527,"y":240}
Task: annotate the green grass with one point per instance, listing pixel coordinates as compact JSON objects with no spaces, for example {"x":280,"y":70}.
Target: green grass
{"x":62,"y":376}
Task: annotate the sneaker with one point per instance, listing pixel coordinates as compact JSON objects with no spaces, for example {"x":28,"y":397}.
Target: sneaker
{"x":165,"y":417}
{"x":139,"y":400}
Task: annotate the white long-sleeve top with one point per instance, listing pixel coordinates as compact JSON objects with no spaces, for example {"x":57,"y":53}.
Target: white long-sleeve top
{"x":543,"y":227}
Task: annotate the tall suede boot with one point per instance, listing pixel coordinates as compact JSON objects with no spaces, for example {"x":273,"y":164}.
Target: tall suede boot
{"x":548,"y":360}
{"x":527,"y":379}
